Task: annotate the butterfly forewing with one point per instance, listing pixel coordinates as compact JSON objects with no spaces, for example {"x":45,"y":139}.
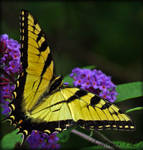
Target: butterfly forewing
{"x":36,"y":59}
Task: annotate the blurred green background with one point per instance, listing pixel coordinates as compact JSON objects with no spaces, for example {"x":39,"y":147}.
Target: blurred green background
{"x":105,"y":34}
{"x":108,"y":35}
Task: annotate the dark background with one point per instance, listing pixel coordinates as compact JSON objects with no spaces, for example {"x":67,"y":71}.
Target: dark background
{"x":108,"y":35}
{"x":105,"y":34}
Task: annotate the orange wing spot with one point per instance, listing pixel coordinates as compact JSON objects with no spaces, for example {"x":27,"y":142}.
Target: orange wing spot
{"x":20,"y":121}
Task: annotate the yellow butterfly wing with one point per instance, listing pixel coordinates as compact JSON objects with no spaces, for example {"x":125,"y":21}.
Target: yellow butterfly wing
{"x":73,"y":105}
{"x":37,"y":62}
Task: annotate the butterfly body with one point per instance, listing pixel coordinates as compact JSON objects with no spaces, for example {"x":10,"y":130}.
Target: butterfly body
{"x":41,"y":100}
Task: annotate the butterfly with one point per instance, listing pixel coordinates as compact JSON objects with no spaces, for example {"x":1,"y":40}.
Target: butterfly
{"x":42,"y":102}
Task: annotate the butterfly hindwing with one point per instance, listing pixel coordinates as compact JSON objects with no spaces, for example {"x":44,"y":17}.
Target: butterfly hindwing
{"x":83,"y":108}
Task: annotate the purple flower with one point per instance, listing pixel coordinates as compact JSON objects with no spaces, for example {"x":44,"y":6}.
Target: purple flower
{"x":13,"y":45}
{"x":39,"y":140}
{"x":11,"y":66}
{"x":4,"y":37}
{"x":66,"y":83}
{"x":53,"y":138}
{"x":96,"y":82}
{"x":35,"y":140}
{"x":5,"y":108}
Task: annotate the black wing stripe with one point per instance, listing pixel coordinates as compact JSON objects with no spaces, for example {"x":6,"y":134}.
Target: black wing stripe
{"x":39,"y":36}
{"x":44,"y":46}
{"x":47,"y":63}
{"x":106,"y":105}
{"x":94,"y":100}
{"x":78,"y":94}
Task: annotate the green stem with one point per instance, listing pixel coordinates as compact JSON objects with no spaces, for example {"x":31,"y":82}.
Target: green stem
{"x":107,"y":140}
{"x":92,"y":140}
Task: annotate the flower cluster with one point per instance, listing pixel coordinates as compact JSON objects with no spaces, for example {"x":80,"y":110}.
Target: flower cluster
{"x":39,"y":140}
{"x":10,"y":67}
{"x":94,"y":81}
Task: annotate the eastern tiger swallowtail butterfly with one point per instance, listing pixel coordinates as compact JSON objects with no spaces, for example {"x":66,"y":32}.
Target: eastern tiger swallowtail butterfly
{"x":42,"y":102}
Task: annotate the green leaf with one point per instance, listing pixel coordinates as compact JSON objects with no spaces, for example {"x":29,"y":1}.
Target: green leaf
{"x":139,"y":145}
{"x":68,"y":79}
{"x":64,"y":135}
{"x":134,"y":109}
{"x":129,"y":90}
{"x":9,"y":141}
{"x":121,"y":144}
{"x":125,"y":145}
